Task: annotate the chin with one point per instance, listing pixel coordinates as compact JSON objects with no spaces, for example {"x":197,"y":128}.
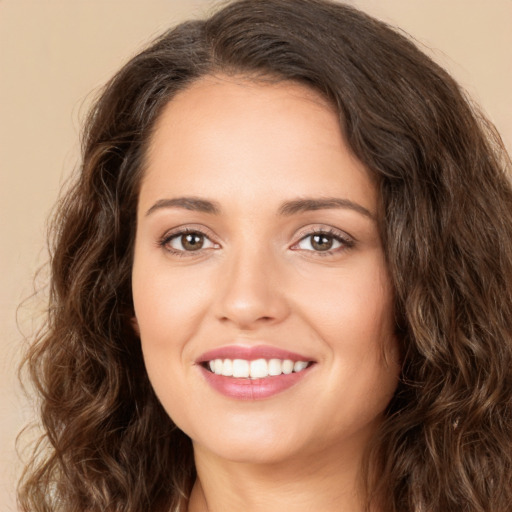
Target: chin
{"x":251,"y":445}
{"x":250,"y":452}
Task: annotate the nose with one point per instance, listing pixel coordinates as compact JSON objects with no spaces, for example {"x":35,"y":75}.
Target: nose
{"x":250,"y":294}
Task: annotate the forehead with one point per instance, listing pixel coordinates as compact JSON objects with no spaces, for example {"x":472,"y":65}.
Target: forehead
{"x":208,"y":90}
{"x":235,"y":136}
{"x":244,"y":103}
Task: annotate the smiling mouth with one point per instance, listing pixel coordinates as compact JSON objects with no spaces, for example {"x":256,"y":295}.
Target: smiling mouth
{"x":255,"y":369}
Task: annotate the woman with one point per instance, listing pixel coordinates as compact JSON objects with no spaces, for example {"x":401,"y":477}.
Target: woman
{"x":281,"y":280}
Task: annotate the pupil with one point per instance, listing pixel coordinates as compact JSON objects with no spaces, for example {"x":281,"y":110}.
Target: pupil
{"x":321,"y":242}
{"x":192,"y":241}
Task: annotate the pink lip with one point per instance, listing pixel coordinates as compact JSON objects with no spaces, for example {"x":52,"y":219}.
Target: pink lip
{"x":246,"y":388}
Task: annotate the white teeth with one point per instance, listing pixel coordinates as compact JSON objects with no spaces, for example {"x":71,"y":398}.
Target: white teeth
{"x":227,"y":368}
{"x":240,"y":368}
{"x":299,"y":366}
{"x":275,"y":367}
{"x":287,"y":366}
{"x":256,"y":369}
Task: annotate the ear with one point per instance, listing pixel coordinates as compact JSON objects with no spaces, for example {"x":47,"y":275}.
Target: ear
{"x":135,"y":325}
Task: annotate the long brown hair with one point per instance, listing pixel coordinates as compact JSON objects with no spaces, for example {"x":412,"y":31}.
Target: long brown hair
{"x":446,"y":226}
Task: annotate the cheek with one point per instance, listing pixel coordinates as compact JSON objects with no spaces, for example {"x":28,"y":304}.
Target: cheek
{"x":169,"y":305}
{"x":168,"y":308}
{"x":353,"y":316}
{"x":355,"y":304}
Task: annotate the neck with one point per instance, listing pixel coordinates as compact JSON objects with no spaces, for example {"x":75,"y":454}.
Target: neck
{"x":329,"y":482}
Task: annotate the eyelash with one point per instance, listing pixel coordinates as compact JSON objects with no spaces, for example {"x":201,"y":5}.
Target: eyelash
{"x":345,"y":241}
{"x":168,"y":237}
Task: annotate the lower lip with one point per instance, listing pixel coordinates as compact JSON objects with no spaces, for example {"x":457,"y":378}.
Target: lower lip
{"x":253,"y":389}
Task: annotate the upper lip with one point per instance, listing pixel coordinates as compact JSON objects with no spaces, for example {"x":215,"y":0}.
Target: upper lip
{"x":251,"y":353}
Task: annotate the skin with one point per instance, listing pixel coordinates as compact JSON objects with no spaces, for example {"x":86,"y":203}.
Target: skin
{"x":250,"y":147}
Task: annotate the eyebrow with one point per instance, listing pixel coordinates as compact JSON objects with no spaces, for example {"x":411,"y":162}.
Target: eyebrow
{"x":188,"y":203}
{"x":311,"y":204}
{"x":286,"y":209}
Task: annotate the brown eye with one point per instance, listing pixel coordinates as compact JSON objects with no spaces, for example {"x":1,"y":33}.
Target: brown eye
{"x":192,"y":241}
{"x":189,"y":241}
{"x":324,"y":242}
{"x":321,"y":242}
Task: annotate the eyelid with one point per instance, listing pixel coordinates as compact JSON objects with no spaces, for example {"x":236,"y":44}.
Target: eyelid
{"x":313,"y":229}
{"x":183,"y":230}
{"x":347,"y":240}
{"x":343,"y":237}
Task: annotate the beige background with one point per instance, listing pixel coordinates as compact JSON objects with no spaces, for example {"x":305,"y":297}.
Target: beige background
{"x":54,"y":53}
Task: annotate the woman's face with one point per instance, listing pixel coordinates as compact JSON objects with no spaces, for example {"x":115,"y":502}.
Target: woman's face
{"x":257,"y":254}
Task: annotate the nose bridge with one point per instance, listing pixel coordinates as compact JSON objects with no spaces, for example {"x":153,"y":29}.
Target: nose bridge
{"x":250,"y":294}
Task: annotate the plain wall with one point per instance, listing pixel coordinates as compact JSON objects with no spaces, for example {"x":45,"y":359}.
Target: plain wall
{"x":53,"y":54}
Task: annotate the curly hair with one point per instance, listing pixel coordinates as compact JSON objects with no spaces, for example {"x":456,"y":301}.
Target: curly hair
{"x":446,"y":226}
